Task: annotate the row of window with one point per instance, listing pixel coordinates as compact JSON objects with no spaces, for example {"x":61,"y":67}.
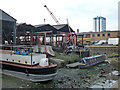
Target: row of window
{"x":19,"y":61}
{"x":98,"y":35}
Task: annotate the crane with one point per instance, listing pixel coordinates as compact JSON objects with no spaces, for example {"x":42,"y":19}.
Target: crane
{"x":51,"y":15}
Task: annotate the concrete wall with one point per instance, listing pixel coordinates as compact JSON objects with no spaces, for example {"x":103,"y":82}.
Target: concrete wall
{"x":103,"y":49}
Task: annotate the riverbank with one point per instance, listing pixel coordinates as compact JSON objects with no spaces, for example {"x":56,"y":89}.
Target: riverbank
{"x":69,"y":77}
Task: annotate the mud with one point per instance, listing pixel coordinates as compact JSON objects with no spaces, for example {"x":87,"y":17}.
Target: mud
{"x":66,"y":78}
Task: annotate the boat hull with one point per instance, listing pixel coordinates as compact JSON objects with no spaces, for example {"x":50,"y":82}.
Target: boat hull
{"x":30,"y":77}
{"x":31,"y":73}
{"x":90,"y":65}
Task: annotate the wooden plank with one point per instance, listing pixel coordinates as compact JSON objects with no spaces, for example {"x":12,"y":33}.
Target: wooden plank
{"x":73,"y":65}
{"x":59,"y":62}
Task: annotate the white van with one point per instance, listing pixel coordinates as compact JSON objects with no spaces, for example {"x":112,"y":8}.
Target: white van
{"x":113,"y":41}
{"x":102,"y":42}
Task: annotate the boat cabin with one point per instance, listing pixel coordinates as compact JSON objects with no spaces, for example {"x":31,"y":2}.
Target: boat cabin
{"x":93,"y":59}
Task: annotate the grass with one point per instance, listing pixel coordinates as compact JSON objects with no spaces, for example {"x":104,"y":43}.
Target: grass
{"x":70,"y":58}
{"x":116,"y":64}
{"x":115,"y":60}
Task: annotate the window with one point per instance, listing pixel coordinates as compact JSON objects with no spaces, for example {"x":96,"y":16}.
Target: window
{"x":108,"y":34}
{"x":93,"y":35}
{"x":87,"y":35}
{"x":103,"y":35}
{"x":98,"y":35}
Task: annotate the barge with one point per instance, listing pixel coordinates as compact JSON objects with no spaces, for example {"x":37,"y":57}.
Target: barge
{"x":30,"y":66}
{"x":93,"y":60}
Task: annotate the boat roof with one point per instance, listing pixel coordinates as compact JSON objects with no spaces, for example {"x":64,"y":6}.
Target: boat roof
{"x":86,"y":58}
{"x":15,"y":46}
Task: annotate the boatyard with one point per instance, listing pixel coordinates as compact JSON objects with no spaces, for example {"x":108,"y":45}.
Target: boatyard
{"x":57,"y":56}
{"x":96,"y":77}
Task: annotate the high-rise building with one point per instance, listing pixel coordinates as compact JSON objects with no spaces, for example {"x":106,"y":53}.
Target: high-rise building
{"x":99,"y":24}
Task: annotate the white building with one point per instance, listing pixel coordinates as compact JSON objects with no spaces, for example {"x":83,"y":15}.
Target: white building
{"x":99,"y":24}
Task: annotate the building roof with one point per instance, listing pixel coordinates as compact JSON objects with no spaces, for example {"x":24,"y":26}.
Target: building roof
{"x":40,"y":25}
{"x":45,"y":27}
{"x":6,"y":17}
{"x":25,"y":27}
{"x":59,"y":26}
{"x":63,"y":28}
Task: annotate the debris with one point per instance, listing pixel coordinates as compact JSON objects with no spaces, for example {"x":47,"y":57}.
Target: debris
{"x":59,"y":62}
{"x":115,"y":73}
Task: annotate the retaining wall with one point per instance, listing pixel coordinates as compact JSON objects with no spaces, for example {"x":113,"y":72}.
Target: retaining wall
{"x":103,"y":49}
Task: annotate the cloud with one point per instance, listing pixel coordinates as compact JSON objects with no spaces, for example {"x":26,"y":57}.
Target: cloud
{"x":79,"y":12}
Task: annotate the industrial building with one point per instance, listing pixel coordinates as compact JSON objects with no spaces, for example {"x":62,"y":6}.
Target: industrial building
{"x":56,"y":29}
{"x":99,"y":24}
{"x":7,"y":28}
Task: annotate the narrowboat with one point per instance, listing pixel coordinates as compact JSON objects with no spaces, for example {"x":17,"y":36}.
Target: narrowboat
{"x":25,"y":64}
{"x":92,"y":60}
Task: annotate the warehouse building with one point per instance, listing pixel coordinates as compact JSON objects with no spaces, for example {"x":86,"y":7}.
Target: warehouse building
{"x":56,"y":29}
{"x":7,"y":28}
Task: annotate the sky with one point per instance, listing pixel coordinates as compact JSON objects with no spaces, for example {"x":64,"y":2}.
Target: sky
{"x":80,"y":13}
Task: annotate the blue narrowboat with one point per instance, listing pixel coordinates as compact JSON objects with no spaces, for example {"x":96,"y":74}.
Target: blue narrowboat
{"x":92,"y":60}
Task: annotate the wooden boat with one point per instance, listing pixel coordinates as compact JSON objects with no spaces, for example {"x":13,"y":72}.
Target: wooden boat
{"x":27,"y":65}
{"x":93,"y":60}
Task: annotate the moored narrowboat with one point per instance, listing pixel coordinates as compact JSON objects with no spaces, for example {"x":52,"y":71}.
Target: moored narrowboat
{"x":27,"y":65}
{"x":92,"y":60}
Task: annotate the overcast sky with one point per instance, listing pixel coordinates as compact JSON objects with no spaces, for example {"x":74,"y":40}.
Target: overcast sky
{"x":79,"y":13}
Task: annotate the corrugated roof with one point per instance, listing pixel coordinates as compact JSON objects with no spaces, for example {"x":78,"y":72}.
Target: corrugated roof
{"x":63,"y":28}
{"x":40,"y":25}
{"x":6,"y":17}
{"x":45,"y":27}
{"x":59,"y":26}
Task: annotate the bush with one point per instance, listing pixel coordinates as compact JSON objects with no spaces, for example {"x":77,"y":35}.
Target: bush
{"x":70,"y":58}
{"x":113,"y":55}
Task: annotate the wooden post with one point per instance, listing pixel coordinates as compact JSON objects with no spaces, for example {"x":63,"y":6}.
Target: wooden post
{"x":56,"y":40}
{"x":31,"y":57}
{"x":52,"y":41}
{"x":11,"y":50}
{"x":82,"y":40}
{"x":76,"y":40}
{"x":45,"y":45}
{"x":62,"y":41}
{"x":31,"y":48}
{"x":38,"y":43}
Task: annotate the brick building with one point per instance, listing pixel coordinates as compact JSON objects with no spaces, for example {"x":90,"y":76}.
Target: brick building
{"x":96,"y":36}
